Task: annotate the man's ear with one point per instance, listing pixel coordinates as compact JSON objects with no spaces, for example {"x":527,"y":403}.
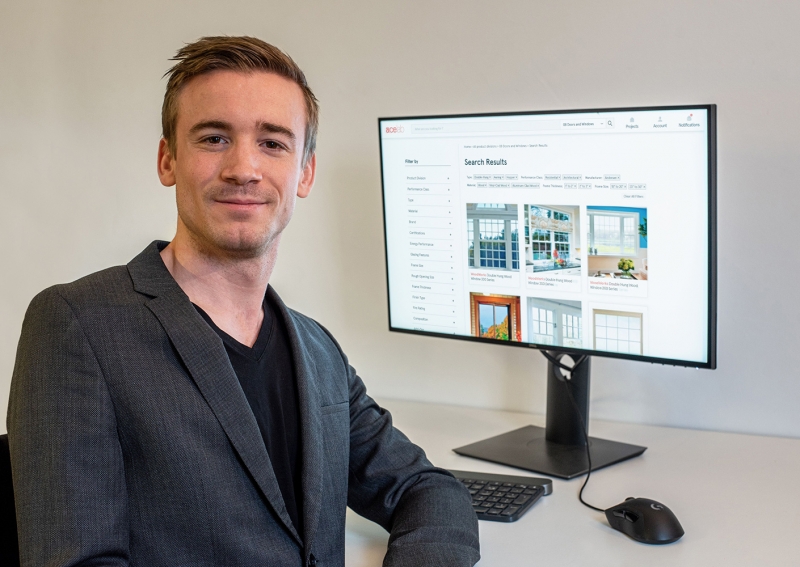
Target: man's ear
{"x":166,"y":164}
{"x":307,"y":179}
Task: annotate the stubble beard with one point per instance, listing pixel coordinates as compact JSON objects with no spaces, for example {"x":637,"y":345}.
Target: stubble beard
{"x":239,"y":243}
{"x":246,"y":242}
{"x":242,"y":244}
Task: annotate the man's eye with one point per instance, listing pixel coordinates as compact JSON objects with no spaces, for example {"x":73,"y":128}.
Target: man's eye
{"x":272,"y":145}
{"x":214,"y":139}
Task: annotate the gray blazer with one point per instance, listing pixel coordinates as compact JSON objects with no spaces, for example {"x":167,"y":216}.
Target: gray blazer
{"x":132,"y":442}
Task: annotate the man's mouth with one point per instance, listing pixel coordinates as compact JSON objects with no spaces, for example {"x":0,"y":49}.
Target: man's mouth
{"x":240,"y":202}
{"x":237,"y":207}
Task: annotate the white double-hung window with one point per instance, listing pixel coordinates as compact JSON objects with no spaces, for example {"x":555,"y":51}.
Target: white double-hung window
{"x":614,"y":233}
{"x":492,"y":236}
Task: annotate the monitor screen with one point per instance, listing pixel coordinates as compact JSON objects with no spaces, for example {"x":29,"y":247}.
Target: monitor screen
{"x":590,"y":231}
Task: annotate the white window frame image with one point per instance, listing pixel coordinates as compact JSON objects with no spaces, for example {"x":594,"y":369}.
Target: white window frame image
{"x":501,"y":218}
{"x":572,"y":329}
{"x":618,"y":331}
{"x":620,"y":216}
{"x":555,"y":322}
{"x":541,"y":325}
{"x":561,"y":234}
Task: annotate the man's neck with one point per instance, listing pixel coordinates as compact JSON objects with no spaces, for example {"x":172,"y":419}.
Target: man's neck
{"x":230,"y":290}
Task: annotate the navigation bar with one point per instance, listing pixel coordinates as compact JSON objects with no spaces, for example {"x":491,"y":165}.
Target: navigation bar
{"x":577,"y":123}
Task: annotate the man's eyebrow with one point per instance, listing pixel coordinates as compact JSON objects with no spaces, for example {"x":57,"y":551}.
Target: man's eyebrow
{"x":276,"y":129}
{"x":210,"y":124}
{"x":226,"y":126}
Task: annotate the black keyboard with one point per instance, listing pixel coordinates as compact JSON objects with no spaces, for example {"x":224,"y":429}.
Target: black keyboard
{"x":503,"y":498}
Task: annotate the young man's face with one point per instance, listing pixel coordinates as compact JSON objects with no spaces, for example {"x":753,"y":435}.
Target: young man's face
{"x":238,"y":164}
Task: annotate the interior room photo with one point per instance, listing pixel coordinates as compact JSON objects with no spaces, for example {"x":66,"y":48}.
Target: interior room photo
{"x":82,"y":86}
{"x":617,"y":234}
{"x":556,"y":322}
{"x":552,"y":239}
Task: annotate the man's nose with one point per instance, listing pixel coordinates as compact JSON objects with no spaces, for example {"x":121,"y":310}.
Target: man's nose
{"x":241,"y":164}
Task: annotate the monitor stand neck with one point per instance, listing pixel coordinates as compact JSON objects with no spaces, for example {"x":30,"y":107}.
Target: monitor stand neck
{"x":559,"y":449}
{"x":563,"y":425}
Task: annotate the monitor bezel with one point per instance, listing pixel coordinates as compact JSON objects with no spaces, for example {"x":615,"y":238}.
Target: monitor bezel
{"x":711,"y":132}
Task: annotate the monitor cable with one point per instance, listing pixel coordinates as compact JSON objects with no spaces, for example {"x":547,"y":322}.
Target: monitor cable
{"x":565,"y":380}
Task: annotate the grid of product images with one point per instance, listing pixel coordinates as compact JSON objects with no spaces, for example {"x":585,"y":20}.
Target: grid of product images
{"x":568,"y":272}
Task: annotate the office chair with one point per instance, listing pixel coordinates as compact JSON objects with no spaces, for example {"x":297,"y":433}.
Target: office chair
{"x":9,"y":547}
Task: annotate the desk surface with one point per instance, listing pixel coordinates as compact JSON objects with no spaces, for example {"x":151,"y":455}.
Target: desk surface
{"x":737,"y":496}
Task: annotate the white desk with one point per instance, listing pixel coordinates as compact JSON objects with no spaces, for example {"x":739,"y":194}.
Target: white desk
{"x":737,"y":496}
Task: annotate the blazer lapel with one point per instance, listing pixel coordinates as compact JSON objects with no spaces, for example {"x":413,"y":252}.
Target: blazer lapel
{"x":311,"y":434}
{"x":205,"y":357}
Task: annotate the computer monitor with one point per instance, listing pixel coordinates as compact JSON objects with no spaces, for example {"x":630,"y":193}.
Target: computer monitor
{"x":580,"y":232}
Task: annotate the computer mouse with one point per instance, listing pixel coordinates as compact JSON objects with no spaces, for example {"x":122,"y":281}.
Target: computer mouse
{"x":645,"y":520}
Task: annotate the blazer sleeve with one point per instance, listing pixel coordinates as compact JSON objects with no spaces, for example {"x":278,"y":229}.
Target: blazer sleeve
{"x":69,"y":478}
{"x":426,"y":510}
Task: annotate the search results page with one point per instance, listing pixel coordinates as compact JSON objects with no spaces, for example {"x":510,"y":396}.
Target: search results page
{"x":584,"y":231}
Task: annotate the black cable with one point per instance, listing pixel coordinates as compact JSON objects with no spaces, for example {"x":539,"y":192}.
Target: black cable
{"x":556,"y":362}
{"x":577,"y":363}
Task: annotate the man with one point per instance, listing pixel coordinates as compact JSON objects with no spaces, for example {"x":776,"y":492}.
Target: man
{"x":174,"y":411}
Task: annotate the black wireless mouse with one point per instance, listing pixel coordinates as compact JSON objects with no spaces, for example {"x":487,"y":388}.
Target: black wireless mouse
{"x":646,"y":521}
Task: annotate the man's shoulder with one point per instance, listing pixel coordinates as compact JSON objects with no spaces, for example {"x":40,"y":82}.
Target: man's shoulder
{"x":306,"y":323}
{"x":104,"y":287}
{"x":311,"y":334}
{"x":312,"y":329}
{"x":108,"y":287}
{"x":93,"y":301}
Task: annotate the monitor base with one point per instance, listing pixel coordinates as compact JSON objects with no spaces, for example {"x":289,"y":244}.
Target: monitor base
{"x":527,"y":448}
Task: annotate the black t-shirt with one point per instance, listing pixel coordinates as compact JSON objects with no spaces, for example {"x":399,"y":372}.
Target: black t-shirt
{"x":266,"y":374}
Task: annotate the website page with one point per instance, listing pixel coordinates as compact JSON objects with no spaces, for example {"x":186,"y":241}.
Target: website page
{"x":585,"y":231}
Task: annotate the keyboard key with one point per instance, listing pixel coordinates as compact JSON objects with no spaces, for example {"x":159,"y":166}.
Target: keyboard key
{"x":506,"y":500}
{"x":509,"y":484}
{"x":493,"y":499}
{"x":501,"y":506}
{"x":516,"y":491}
{"x":486,"y":492}
{"x":520,"y":486}
{"x":494,"y":512}
{"x":503,"y":489}
{"x":522,"y":499}
{"x":479,"y":498}
{"x":529,"y":491}
{"x":481,"y":509}
{"x":510,"y":511}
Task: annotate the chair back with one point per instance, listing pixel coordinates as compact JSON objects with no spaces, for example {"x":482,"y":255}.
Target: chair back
{"x":9,"y":547}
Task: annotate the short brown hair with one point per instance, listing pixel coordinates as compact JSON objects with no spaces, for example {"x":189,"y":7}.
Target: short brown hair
{"x":245,"y":54}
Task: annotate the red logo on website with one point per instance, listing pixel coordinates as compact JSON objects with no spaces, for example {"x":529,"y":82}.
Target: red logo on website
{"x":394,"y":130}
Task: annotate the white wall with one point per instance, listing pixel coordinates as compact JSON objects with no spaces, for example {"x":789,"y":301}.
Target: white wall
{"x":80,"y":95}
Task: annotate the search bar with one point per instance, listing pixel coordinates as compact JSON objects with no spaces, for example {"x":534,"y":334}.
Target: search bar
{"x":592,"y":123}
{"x":513,"y":126}
{"x":504,"y":126}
